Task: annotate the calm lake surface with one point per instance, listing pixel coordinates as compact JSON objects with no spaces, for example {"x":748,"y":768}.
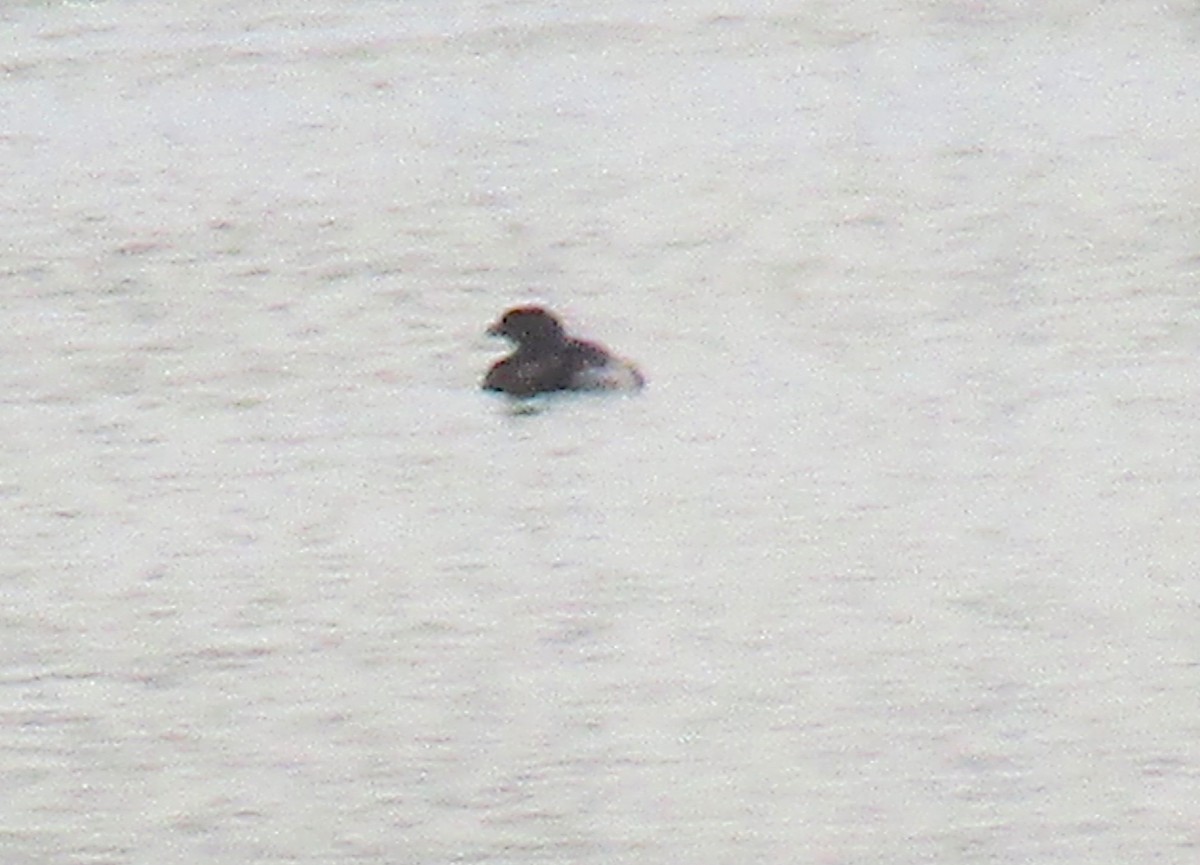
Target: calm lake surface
{"x":894,"y":561}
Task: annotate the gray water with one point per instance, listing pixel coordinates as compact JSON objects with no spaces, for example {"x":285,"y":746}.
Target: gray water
{"x":894,"y":561}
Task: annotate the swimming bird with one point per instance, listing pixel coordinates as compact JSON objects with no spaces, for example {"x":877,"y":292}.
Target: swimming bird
{"x":547,"y":359}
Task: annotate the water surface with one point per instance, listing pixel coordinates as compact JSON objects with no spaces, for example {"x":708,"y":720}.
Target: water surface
{"x":893,"y":561}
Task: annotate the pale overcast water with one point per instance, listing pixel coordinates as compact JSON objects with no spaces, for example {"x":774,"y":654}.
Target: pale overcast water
{"x":894,"y":561}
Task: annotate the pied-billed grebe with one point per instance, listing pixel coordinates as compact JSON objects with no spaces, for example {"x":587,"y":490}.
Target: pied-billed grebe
{"x":547,"y":359}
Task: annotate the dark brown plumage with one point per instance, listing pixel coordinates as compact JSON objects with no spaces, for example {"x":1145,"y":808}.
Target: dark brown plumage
{"x":546,"y":359}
